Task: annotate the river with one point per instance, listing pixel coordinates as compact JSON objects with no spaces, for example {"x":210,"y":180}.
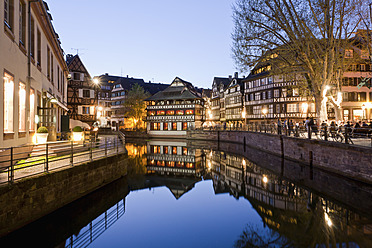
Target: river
{"x":200,"y":194}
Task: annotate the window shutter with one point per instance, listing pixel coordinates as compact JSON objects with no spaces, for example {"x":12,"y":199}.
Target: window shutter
{"x":91,"y":93}
{"x":81,"y":76}
{"x":80,"y":93}
{"x":91,"y":111}
{"x":80,"y":110}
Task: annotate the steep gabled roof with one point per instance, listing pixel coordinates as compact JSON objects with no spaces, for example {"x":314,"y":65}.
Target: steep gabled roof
{"x":179,"y":89}
{"x":75,"y":64}
{"x":221,"y":80}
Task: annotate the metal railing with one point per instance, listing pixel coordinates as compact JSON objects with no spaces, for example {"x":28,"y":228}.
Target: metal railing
{"x":25,"y":161}
{"x":98,"y":226}
{"x":361,"y":136}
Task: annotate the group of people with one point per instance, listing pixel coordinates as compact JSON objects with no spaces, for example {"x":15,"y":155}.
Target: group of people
{"x":310,"y":125}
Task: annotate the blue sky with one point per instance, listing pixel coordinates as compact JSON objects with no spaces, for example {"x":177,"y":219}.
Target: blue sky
{"x":155,"y":40}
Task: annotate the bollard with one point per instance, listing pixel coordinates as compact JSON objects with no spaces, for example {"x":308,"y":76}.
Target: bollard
{"x":325,"y":133}
{"x":296,"y":132}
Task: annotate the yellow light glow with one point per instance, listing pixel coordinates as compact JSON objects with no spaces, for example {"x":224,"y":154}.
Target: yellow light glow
{"x":243,"y":162}
{"x":243,"y":114}
{"x":100,"y":108}
{"x":327,"y":219}
{"x":265,"y":179}
{"x":264,"y":111}
{"x":304,"y":107}
{"x":96,"y":81}
{"x":77,"y":136}
{"x":209,"y":165}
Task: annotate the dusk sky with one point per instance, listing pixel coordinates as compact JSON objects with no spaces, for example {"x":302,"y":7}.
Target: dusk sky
{"x":154,"y":40}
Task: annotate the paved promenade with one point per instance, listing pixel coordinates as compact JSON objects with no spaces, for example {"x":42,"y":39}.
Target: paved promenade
{"x":114,"y":147}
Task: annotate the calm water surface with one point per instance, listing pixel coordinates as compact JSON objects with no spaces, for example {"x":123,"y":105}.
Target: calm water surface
{"x":181,"y":194}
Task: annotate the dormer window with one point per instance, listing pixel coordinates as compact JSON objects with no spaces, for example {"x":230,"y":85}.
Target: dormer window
{"x":348,"y":53}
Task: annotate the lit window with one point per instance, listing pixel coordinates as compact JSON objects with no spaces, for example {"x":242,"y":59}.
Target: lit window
{"x":174,"y":126}
{"x":179,"y":112}
{"x":8,"y":103}
{"x":165,"y":126}
{"x":170,"y":112}
{"x":160,"y":112}
{"x":189,"y":112}
{"x":174,"y":150}
{"x":348,"y":53}
{"x":32,"y":109}
{"x":22,"y":107}
{"x":184,"y":126}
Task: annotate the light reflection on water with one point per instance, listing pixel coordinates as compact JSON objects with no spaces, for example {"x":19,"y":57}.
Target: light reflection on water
{"x":211,"y":196}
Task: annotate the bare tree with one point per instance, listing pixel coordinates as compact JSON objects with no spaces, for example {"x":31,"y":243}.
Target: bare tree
{"x":307,"y":37}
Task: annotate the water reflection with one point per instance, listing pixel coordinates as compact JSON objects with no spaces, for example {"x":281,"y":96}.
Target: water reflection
{"x":296,"y":210}
{"x":295,"y":215}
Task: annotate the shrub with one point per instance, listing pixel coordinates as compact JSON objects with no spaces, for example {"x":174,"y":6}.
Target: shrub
{"x":42,"y":130}
{"x":77,"y":129}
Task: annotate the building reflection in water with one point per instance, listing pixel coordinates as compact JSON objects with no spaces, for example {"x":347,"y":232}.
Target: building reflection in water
{"x":299,"y":217}
{"x":296,"y":216}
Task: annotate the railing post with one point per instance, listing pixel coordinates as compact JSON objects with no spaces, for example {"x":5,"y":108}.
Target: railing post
{"x":46,"y":168}
{"x":105,"y":146}
{"x":72,"y":154}
{"x":117,"y":145}
{"x":325,"y":133}
{"x":91,"y":150}
{"x":11,"y":172}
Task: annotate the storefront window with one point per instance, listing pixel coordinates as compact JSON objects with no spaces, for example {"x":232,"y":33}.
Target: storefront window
{"x":22,"y":107}
{"x":32,"y":110}
{"x":8,"y":103}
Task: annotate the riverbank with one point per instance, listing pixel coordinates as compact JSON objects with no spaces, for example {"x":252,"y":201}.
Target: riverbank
{"x":347,"y":160}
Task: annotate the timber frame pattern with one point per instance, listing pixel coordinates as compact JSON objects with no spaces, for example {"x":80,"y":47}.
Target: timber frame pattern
{"x":80,"y":80}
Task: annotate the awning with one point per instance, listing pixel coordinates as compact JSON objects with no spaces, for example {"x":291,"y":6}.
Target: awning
{"x":50,"y":96}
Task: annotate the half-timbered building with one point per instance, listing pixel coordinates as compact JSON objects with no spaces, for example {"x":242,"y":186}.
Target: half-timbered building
{"x":81,"y":92}
{"x":233,"y":95}
{"x":217,"y":114}
{"x":175,"y":110}
{"x":268,"y":97}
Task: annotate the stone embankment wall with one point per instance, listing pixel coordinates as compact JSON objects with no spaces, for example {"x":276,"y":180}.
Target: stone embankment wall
{"x":26,"y":201}
{"x":347,"y":160}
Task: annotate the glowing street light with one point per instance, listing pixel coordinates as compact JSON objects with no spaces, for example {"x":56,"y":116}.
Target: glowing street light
{"x":265,"y":179}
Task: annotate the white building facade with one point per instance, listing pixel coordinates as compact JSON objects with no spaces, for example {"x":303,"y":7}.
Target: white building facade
{"x":33,"y":83}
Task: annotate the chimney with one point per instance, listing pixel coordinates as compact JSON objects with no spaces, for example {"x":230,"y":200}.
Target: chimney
{"x":230,"y":77}
{"x":236,"y":75}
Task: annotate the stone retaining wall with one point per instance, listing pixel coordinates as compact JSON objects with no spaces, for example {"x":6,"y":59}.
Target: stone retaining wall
{"x":27,"y":200}
{"x":347,"y":160}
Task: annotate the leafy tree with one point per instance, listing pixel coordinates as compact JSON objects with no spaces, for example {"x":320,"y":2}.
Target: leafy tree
{"x":134,"y":104}
{"x":302,"y":37}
